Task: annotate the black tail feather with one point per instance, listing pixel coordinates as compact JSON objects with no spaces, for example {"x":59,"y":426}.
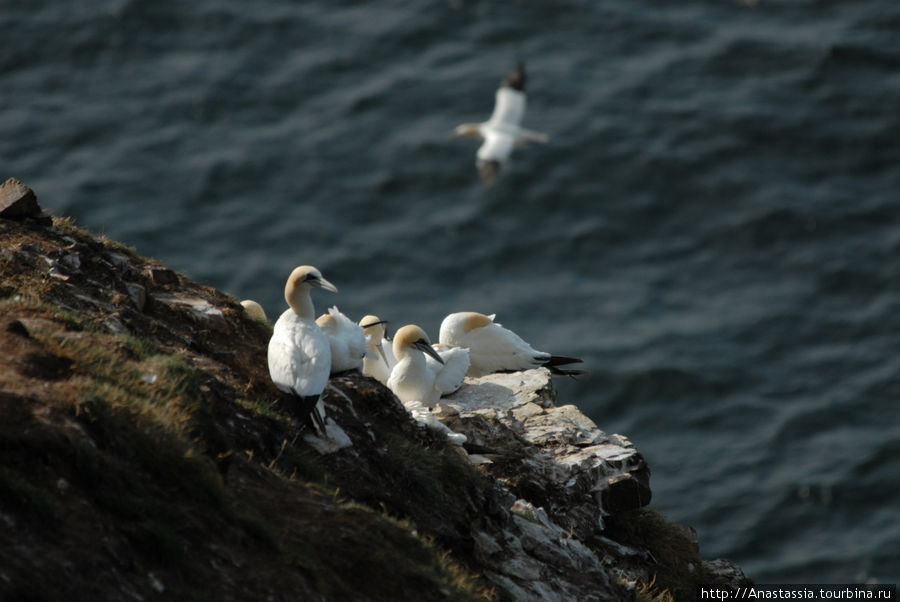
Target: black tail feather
{"x":318,"y":421}
{"x":306,"y":409}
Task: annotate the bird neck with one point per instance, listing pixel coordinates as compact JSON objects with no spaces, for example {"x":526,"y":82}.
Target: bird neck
{"x":301,"y":303}
{"x":413,"y":358}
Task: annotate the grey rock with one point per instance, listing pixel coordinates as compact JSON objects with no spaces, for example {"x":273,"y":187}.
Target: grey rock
{"x":161,"y":276}
{"x":72,"y":261}
{"x":120,"y":261}
{"x":726,"y":572}
{"x":554,"y":456}
{"x":138,"y":295}
{"x":568,"y":475}
{"x":18,"y":200}
{"x":200,"y":309}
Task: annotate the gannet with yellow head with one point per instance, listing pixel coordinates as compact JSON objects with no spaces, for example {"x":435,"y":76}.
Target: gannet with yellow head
{"x":493,"y":348}
{"x":299,"y":352}
{"x":254,"y":310}
{"x":503,"y":131}
{"x":346,"y":338}
{"x":411,"y":379}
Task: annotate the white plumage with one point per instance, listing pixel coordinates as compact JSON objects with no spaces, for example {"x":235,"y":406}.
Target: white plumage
{"x":413,"y":378}
{"x":449,"y":375}
{"x":493,"y":348}
{"x":299,"y":354}
{"x":503,"y":131}
{"x":376,"y":363}
{"x":346,"y":339}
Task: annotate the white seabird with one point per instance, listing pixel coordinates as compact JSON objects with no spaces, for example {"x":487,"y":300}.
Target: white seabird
{"x":254,"y":310}
{"x":376,"y":363}
{"x":299,"y":352}
{"x":412,"y":378}
{"x":346,"y":338}
{"x":503,"y":131}
{"x":493,"y":348}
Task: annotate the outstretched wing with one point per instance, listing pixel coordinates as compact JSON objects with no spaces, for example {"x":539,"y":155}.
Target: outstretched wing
{"x":509,"y":109}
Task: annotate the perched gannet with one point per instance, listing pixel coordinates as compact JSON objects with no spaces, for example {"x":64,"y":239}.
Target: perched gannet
{"x":503,"y":130}
{"x":376,"y":363}
{"x":347,"y":340}
{"x":254,"y":310}
{"x":493,"y":348}
{"x":299,"y":352}
{"x":411,"y":378}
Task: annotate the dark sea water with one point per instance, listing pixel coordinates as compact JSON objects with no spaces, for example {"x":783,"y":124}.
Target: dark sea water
{"x":714,"y":226}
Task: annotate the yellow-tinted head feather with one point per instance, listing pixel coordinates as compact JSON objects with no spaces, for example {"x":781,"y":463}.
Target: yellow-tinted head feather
{"x":472,"y":320}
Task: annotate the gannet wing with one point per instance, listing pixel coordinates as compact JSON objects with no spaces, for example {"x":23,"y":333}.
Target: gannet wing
{"x":525,"y":136}
{"x":449,"y":376}
{"x":493,"y":348}
{"x":509,"y":109}
{"x":351,"y":333}
{"x":388,"y":348}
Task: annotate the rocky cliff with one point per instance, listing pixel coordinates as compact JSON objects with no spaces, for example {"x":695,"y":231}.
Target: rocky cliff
{"x":145,"y":454}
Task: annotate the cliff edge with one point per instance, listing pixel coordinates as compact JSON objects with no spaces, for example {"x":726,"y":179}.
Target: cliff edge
{"x":146,"y":455}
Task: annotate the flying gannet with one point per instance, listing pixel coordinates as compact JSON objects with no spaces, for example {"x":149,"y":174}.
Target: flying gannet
{"x":411,"y":378}
{"x":254,"y":310}
{"x":299,"y":352}
{"x":347,"y":340}
{"x":503,"y":131}
{"x":376,"y":364}
{"x":493,"y":348}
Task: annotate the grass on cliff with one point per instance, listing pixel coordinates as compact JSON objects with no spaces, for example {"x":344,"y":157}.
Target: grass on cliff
{"x":123,"y":373}
{"x":129,"y":456}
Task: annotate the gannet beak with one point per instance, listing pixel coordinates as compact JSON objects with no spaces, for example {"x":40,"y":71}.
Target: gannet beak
{"x":380,"y":349}
{"x":423,"y":346}
{"x":322,"y":283}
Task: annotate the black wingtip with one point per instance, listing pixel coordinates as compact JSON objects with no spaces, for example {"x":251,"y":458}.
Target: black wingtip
{"x":566,"y":372}
{"x":317,"y":421}
{"x":562,"y":360}
{"x":555,"y":361}
{"x":306,"y":408}
{"x":516,"y":78}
